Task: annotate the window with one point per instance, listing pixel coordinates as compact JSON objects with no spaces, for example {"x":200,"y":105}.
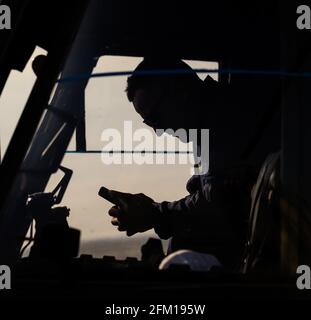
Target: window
{"x":14,"y":98}
{"x":107,"y":107}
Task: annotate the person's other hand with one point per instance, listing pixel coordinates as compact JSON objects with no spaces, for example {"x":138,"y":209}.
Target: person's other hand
{"x":131,"y":212}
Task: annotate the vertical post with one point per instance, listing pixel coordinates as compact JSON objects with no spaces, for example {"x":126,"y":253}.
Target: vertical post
{"x":296,"y":135}
{"x":80,"y":129}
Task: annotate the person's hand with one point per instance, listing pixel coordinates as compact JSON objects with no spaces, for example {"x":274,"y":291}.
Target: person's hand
{"x":131,"y":212}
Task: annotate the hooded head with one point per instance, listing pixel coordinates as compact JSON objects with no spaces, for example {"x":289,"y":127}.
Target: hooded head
{"x":160,"y":90}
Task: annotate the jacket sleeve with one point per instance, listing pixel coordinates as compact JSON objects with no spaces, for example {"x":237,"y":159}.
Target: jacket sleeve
{"x":215,"y":208}
{"x":173,"y":218}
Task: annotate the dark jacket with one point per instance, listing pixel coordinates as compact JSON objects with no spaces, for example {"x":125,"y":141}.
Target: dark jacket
{"x":213,"y":217}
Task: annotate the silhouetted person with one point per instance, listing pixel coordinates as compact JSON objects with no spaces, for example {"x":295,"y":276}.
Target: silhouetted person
{"x":213,"y":217}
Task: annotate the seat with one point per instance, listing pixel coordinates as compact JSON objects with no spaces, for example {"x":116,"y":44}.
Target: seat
{"x":262,"y":250}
